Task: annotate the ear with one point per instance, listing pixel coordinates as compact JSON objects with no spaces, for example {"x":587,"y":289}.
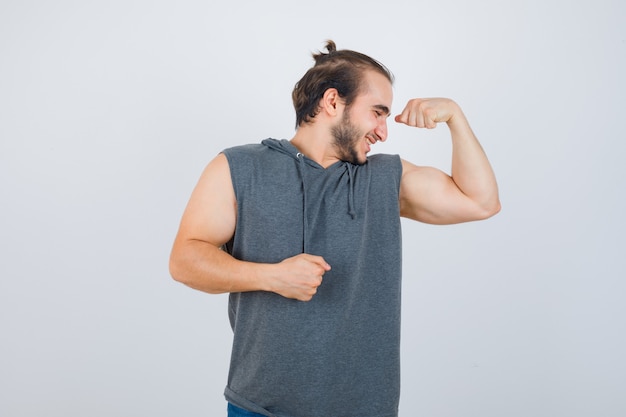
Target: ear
{"x":331,"y":103}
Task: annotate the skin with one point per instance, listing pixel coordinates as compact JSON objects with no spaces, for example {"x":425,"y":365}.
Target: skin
{"x":347,"y":137}
{"x":337,"y":133}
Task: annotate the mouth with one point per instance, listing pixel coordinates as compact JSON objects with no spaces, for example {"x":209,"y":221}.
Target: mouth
{"x":371,"y":139}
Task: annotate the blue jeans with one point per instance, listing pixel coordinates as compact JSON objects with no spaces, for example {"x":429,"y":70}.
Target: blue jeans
{"x":234,"y":411}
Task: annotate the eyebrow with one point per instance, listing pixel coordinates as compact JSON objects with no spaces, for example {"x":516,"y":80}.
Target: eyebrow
{"x":382,"y":108}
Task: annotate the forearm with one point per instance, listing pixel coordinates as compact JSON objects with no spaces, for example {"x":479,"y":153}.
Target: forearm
{"x":471,"y":170}
{"x":205,"y":267}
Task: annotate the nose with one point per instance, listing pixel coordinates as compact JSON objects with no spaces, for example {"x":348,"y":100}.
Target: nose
{"x":381,"y":130}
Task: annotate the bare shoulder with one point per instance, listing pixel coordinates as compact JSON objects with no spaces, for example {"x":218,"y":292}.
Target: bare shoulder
{"x":418,"y":183}
{"x":429,"y":195}
{"x":408,"y":167}
{"x":211,"y":212}
{"x":420,"y":176}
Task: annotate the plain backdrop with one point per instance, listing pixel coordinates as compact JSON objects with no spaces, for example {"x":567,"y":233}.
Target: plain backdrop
{"x":109,"y":111}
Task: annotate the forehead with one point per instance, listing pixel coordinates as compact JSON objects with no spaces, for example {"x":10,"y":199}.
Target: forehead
{"x":376,"y":90}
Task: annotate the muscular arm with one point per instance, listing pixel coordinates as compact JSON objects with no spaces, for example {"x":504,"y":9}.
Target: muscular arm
{"x":208,"y":222}
{"x":431,"y":196}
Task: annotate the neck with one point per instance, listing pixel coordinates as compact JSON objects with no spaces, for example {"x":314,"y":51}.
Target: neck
{"x":316,"y":144}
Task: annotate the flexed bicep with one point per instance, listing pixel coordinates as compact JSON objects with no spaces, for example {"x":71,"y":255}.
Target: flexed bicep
{"x":429,"y":195}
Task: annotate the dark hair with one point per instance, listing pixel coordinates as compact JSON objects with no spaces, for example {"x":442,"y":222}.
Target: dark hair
{"x":342,"y":70}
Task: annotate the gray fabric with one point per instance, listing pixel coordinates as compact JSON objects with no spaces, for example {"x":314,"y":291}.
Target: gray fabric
{"x":338,"y":354}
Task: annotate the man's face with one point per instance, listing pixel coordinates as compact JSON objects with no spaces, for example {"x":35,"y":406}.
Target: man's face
{"x":365,"y":121}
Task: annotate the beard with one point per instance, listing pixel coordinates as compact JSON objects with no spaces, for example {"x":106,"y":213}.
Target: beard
{"x":347,"y":138}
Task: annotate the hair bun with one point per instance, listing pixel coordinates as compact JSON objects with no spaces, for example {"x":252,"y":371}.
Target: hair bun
{"x":320,"y":56}
{"x":330,"y":46}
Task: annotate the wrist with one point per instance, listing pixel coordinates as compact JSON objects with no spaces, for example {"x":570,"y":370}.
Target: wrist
{"x":264,"y":277}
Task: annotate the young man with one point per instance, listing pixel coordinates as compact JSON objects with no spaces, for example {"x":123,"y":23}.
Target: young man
{"x":305,"y":236}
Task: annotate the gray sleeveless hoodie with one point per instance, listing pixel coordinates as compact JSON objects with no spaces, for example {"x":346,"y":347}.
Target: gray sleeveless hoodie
{"x":338,"y":354}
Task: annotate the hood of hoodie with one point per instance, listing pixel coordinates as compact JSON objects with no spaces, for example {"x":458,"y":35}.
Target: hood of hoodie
{"x":303,"y":162}
{"x":284,"y":146}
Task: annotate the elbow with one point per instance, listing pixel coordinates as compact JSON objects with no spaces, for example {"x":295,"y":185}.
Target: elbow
{"x":490,"y":210}
{"x":186,"y":269}
{"x":176,"y":268}
{"x":179,"y":271}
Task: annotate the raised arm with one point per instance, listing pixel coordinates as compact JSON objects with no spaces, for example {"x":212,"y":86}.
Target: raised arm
{"x":208,"y":222}
{"x":432,"y":196}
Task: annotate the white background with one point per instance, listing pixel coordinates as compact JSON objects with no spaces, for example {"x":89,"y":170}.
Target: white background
{"x":110,"y":110}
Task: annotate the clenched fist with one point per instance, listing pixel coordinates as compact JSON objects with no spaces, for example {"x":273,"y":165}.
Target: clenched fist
{"x":299,"y":277}
{"x":427,"y":112}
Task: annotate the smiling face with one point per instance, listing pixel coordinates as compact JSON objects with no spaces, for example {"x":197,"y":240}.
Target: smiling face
{"x":364,"y":122}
